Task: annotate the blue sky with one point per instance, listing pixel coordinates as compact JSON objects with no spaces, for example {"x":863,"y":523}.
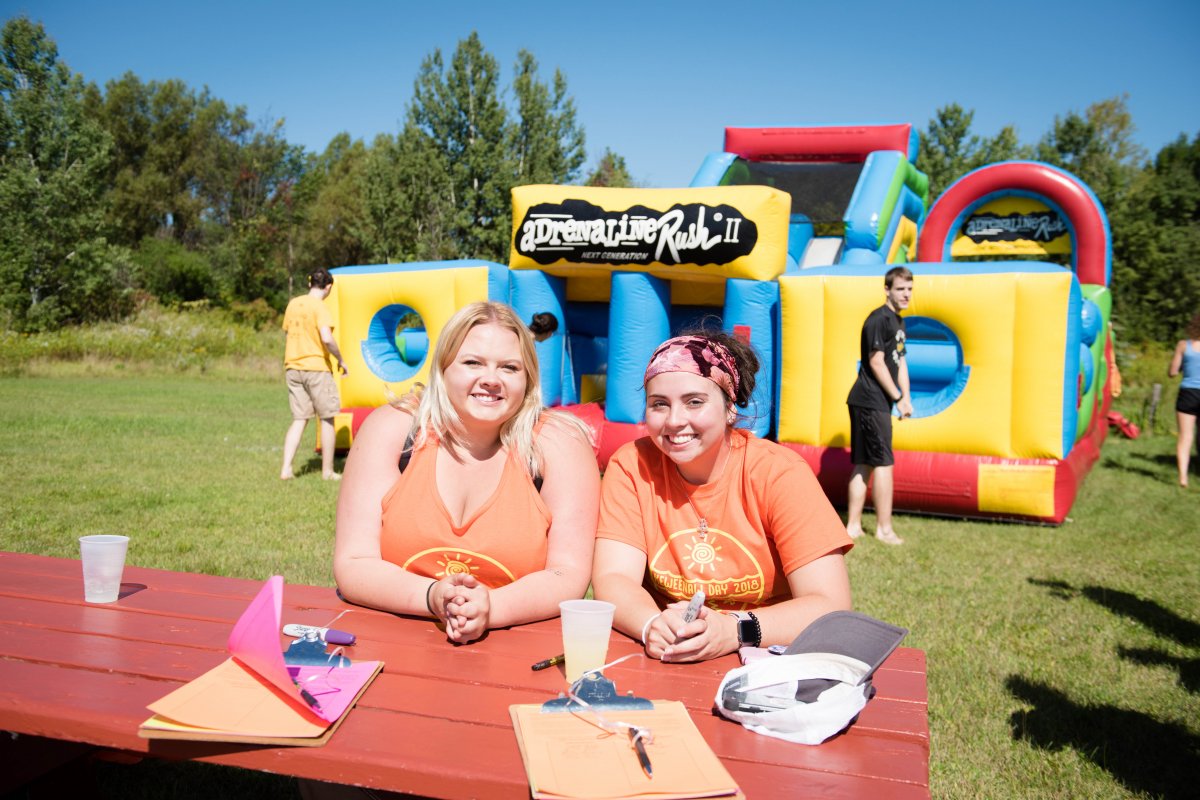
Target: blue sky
{"x":658,"y":82}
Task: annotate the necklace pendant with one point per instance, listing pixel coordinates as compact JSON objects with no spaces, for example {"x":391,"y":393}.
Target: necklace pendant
{"x":703,"y":529}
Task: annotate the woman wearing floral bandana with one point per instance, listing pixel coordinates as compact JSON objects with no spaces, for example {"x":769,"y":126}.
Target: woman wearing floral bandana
{"x":699,"y":505}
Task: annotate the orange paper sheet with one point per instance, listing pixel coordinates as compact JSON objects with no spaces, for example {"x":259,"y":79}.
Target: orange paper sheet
{"x":567,"y":757}
{"x":253,"y":694}
{"x":230,"y":698}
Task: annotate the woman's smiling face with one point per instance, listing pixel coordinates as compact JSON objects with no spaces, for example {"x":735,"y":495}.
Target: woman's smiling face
{"x":486,"y":381}
{"x":687,"y":417}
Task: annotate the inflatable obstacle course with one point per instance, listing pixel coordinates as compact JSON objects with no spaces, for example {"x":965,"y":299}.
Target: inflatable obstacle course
{"x":784,"y":239}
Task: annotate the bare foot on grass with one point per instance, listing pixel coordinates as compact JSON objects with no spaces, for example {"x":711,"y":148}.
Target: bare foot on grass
{"x":888,"y":537}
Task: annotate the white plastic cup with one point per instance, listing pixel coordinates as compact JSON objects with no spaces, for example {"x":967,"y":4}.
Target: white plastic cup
{"x":586,"y":628}
{"x":103,"y":566}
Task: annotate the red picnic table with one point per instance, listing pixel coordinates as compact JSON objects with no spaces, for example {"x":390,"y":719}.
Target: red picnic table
{"x":76,"y":678}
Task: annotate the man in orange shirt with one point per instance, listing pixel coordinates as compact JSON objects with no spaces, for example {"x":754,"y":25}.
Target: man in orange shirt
{"x":308,"y":330}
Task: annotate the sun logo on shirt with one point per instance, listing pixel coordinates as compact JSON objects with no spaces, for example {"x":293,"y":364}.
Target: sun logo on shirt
{"x":702,"y":555}
{"x":438,"y":563}
{"x":458,"y":565}
{"x":717,"y":563}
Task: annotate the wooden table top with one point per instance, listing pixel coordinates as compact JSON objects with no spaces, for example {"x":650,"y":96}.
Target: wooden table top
{"x":434,"y":723}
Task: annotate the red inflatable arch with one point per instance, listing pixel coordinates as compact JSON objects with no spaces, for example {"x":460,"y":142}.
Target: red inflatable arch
{"x":1075,"y":200}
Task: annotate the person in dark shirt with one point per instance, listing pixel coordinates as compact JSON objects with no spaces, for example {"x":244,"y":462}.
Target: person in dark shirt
{"x":882,"y":381}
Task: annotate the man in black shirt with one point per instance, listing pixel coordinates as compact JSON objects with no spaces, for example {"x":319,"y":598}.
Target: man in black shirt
{"x":882,"y":381}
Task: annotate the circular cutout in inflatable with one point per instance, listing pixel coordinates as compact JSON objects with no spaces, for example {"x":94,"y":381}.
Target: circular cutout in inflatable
{"x":396,"y":343}
{"x":936,"y":372}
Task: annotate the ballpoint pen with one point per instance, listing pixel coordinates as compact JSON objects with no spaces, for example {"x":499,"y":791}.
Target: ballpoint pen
{"x":549,"y":662}
{"x":308,"y":698}
{"x":636,"y":738}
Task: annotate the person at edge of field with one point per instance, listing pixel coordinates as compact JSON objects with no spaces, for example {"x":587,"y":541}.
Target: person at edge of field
{"x":312,"y":392}
{"x":469,"y":502}
{"x":1187,"y":406}
{"x":698,"y":504}
{"x":882,"y":381}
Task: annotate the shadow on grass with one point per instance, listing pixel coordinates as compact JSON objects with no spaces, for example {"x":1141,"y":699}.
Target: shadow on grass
{"x":1143,"y":754}
{"x":1060,"y":589}
{"x":1114,"y":464}
{"x":313,"y":465}
{"x":1188,"y":668}
{"x":1164,"y":459}
{"x":1163,"y":621}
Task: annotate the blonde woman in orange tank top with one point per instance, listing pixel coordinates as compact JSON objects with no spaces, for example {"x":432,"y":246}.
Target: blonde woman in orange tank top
{"x":492,"y":520}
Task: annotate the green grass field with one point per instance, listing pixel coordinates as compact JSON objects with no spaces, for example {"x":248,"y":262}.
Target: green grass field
{"x":1063,"y":661}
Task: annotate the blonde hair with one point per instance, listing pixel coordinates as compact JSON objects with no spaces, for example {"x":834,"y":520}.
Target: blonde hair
{"x":433,"y":412}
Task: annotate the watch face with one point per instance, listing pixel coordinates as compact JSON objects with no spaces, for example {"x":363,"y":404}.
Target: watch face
{"x":746,"y":631}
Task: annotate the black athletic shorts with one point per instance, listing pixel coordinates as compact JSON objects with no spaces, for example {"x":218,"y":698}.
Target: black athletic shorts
{"x":870,"y":437}
{"x":1188,"y":402}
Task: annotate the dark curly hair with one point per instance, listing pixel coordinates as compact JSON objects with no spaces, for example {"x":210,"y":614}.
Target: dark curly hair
{"x":319,"y":278}
{"x":543,"y":322}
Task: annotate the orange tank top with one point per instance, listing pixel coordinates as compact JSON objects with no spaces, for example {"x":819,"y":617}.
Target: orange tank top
{"x":501,"y":541}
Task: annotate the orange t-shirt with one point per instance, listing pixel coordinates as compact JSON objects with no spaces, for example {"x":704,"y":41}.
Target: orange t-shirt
{"x":303,"y":320}
{"x":503,"y":540}
{"x":767,"y":516}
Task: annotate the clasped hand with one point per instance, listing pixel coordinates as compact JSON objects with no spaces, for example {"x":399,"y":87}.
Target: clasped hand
{"x":710,"y":635}
{"x":464,"y":604}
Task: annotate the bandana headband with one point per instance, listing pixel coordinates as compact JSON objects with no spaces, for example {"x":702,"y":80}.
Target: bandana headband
{"x":699,"y":356}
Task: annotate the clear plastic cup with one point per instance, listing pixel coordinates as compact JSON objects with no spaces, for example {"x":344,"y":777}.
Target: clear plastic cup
{"x":103,"y":565}
{"x":586,"y":628}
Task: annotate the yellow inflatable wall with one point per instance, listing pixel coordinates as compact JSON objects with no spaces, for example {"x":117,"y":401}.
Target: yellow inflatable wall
{"x":356,"y":298}
{"x":1012,"y":330}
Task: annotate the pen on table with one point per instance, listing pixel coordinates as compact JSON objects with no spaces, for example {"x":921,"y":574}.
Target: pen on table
{"x":549,"y":662}
{"x":635,"y":738}
{"x":308,"y":698}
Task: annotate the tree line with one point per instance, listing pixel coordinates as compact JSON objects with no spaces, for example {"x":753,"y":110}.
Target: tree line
{"x":111,"y":196}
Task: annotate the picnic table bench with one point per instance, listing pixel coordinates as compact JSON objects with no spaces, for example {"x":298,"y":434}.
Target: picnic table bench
{"x":75,"y":679}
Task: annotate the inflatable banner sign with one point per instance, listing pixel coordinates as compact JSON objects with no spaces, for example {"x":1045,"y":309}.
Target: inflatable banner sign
{"x":1013,"y":226}
{"x":709,"y":233}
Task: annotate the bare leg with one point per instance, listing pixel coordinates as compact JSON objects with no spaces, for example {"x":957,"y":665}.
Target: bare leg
{"x":881,"y":494}
{"x":856,"y":499}
{"x":1183,"y":447}
{"x":328,"y":446}
{"x":291,"y":443}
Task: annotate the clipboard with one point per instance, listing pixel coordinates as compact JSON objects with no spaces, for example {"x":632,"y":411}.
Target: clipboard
{"x":254,"y":697}
{"x":568,"y":756}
